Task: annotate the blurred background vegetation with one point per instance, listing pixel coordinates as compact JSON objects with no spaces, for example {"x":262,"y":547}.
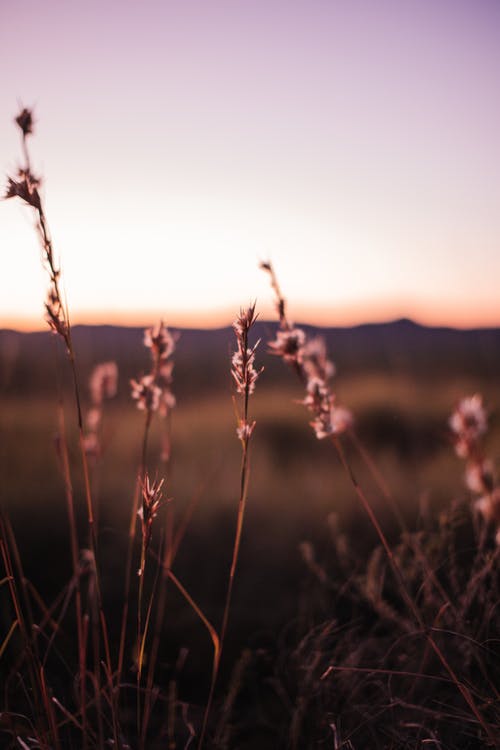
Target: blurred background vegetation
{"x":401,"y":381}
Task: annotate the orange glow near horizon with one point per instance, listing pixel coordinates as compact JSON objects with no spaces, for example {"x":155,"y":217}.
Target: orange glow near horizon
{"x":440,"y":315}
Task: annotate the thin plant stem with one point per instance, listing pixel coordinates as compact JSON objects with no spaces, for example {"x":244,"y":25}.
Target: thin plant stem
{"x":59,"y":321}
{"x":74,"y":559}
{"x":160,"y":612}
{"x":32,"y":659}
{"x":245,"y":376}
{"x":130,"y":550}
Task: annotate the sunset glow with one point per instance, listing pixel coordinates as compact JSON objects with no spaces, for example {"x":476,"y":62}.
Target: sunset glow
{"x":353,"y":143}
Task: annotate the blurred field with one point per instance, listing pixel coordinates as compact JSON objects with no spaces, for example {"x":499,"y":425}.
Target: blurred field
{"x":296,"y":481}
{"x":296,"y":484}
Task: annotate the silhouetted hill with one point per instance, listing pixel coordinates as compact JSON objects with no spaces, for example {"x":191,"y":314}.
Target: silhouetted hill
{"x":28,"y":361}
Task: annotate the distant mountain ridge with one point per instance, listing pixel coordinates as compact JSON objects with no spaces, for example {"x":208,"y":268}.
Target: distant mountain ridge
{"x":27,"y":360}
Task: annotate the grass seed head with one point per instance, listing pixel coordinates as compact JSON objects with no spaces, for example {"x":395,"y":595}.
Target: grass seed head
{"x":25,"y":121}
{"x":146,"y":393}
{"x":152,"y":501}
{"x":468,"y":423}
{"x":243,"y":361}
{"x":103,"y":382}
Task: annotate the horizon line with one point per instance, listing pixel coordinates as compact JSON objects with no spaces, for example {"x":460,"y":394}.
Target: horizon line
{"x":223,"y":319}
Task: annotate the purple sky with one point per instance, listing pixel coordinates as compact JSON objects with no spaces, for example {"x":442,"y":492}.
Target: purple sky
{"x":355,"y":143}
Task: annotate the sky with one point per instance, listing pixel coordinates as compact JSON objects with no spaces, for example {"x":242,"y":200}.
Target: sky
{"x":353,"y":143}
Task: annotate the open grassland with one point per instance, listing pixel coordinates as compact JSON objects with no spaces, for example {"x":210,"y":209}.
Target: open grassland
{"x":296,"y":482}
{"x":299,"y":493}
{"x":402,"y":422}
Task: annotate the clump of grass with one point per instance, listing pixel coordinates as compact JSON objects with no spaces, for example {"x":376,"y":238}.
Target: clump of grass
{"x":468,"y":422}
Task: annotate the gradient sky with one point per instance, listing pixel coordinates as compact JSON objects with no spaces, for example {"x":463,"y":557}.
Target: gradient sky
{"x":356,"y":144}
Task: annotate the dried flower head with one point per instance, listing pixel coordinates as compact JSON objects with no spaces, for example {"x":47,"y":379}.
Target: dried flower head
{"x":243,"y":369}
{"x":164,"y":381}
{"x":279,"y":300}
{"x":335,"y":421}
{"x":489,"y":507}
{"x":103,"y":382}
{"x":243,"y":361}
{"x":315,"y":361}
{"x":160,"y":341}
{"x":91,"y":445}
{"x":341,"y":419}
{"x":146,"y":393}
{"x":329,"y":418}
{"x":93,"y":419}
{"x":310,"y":361}
{"x":55,"y":314}
{"x":153,"y":392}
{"x":151,"y":504}
{"x":289,"y":345}
{"x":244,"y":430}
{"x":244,"y":321}
{"x":25,"y":121}
{"x":25,"y":188}
{"x":480,"y":476}
{"x":468,"y":423}
{"x":317,"y":394}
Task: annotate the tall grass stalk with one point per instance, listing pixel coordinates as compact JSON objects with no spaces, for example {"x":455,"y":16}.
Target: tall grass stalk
{"x":26,"y":187}
{"x":245,"y":376}
{"x":66,"y":472}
